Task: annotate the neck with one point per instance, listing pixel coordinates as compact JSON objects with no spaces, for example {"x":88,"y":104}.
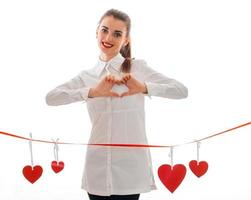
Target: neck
{"x":106,"y":57}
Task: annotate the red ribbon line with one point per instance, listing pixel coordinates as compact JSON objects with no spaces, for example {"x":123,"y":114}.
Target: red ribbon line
{"x":127,"y":145}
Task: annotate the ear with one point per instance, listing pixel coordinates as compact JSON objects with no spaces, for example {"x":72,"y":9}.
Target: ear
{"x":127,"y":40}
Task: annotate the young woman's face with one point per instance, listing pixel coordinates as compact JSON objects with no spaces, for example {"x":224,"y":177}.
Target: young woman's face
{"x":111,"y":35}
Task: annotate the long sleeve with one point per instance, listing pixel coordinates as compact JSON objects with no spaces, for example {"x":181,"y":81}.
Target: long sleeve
{"x":159,"y":85}
{"x":69,"y":92}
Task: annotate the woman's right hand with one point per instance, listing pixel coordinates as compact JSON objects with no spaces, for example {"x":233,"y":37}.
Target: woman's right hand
{"x":103,"y":89}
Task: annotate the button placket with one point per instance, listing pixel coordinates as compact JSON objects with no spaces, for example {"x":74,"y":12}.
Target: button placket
{"x":109,"y":135}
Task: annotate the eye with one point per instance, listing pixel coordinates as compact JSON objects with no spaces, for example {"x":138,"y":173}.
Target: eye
{"x":104,"y":30}
{"x":117,"y":35}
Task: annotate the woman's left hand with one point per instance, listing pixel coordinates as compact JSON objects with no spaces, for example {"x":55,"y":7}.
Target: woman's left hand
{"x":133,"y":85}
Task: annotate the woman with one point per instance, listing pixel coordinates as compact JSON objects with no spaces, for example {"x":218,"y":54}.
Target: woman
{"x":114,"y":92}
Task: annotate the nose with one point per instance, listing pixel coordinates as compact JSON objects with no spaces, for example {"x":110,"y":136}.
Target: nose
{"x":108,"y":37}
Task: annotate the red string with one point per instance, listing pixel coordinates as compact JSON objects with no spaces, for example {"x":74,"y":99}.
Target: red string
{"x":128,"y":145}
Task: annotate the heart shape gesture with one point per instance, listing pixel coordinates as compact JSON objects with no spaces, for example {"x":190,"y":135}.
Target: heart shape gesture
{"x":104,"y":87}
{"x":199,"y":169}
{"x":32,"y":174}
{"x":57,"y":166}
{"x":172,"y":177}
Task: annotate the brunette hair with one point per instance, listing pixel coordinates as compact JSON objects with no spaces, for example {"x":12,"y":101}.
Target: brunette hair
{"x":125,"y":50}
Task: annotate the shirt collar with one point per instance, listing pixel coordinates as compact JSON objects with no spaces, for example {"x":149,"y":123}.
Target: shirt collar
{"x":114,"y":62}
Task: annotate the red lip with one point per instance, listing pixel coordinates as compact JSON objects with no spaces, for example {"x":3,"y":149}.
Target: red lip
{"x":107,"y":45}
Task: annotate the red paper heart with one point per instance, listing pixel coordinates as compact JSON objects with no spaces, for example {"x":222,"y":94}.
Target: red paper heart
{"x":198,"y":169}
{"x":32,"y":174}
{"x":172,"y":177}
{"x":57,"y":166}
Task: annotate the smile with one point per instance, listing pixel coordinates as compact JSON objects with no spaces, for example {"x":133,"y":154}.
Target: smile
{"x":107,"y":45}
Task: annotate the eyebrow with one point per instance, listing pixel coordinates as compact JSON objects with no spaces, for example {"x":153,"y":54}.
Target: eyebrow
{"x":117,"y":31}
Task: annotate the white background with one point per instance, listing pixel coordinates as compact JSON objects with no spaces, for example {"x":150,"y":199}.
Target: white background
{"x":204,"y":44}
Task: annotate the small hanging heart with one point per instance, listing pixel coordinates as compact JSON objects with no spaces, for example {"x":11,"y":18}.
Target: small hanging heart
{"x":199,"y":169}
{"x":172,"y":177}
{"x":57,"y":166}
{"x":32,"y":174}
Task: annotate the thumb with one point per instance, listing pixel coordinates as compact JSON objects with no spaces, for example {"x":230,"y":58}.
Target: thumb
{"x":114,"y":94}
{"x":125,"y":94}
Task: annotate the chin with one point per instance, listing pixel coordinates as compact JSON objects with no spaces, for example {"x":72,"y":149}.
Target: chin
{"x":108,"y":51}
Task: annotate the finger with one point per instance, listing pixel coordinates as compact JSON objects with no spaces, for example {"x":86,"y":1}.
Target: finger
{"x":118,"y":81}
{"x":127,"y":77}
{"x":113,"y":79}
{"x":126,"y":74}
{"x":123,"y":81}
{"x":110,"y":78}
{"x":114,"y":94}
{"x":107,"y":77}
{"x":126,"y":80}
{"x":125,"y":94}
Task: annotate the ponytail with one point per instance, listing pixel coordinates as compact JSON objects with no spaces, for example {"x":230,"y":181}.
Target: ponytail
{"x":126,"y":53}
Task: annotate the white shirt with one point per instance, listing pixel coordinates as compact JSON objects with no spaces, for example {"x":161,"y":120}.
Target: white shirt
{"x":117,"y":170}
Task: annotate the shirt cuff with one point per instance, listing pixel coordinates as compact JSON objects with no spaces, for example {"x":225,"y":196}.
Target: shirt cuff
{"x":84,"y":93}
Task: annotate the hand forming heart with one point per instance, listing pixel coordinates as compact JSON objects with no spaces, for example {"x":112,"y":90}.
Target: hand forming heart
{"x":133,"y":85}
{"x":104,"y":87}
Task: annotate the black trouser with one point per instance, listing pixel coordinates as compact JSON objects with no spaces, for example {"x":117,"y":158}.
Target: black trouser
{"x":114,"y":197}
